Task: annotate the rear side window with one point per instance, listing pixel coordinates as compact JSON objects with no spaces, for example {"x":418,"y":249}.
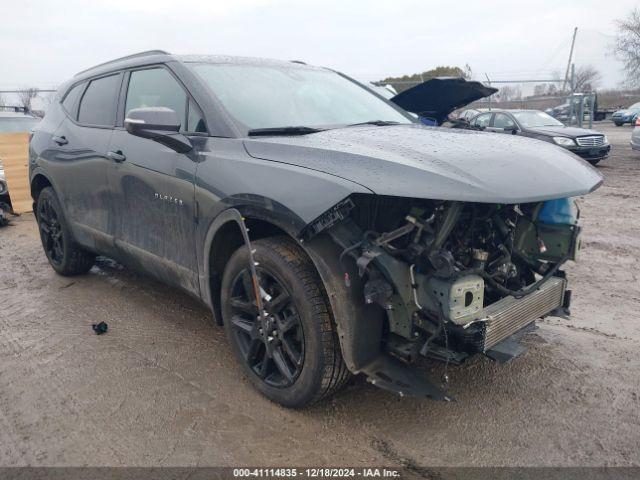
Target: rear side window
{"x":157,"y":88}
{"x":70,"y":102}
{"x":98,"y":104}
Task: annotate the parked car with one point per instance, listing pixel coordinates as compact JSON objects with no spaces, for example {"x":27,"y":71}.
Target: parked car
{"x":433,"y":100}
{"x":591,"y":145}
{"x":5,"y":202}
{"x":372,"y":240}
{"x":626,"y":115}
{"x":635,"y":136}
{"x":15,"y":122}
{"x":467,"y":115}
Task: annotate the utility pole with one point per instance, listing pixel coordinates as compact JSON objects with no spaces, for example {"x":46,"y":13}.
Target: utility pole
{"x":573,"y":42}
{"x":489,"y":82}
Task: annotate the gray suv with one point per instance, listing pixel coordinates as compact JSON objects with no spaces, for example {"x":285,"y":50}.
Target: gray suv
{"x":328,"y":231}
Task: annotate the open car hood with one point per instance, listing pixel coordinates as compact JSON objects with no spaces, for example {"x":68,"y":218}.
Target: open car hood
{"x":438,"y":97}
{"x":436,"y":163}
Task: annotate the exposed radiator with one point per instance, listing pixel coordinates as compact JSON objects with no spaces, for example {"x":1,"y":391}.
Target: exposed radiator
{"x":505,"y":317}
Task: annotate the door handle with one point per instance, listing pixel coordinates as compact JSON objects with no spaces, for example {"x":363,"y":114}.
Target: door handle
{"x":117,"y":157}
{"x":60,"y":140}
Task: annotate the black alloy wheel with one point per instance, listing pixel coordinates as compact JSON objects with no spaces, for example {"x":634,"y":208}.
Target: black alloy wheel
{"x":51,"y":231}
{"x":291,"y":351}
{"x":272,"y":345}
{"x":65,"y":256}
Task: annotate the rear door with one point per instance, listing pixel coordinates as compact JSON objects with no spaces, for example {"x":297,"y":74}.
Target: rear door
{"x":154,"y":186}
{"x":80,"y":163}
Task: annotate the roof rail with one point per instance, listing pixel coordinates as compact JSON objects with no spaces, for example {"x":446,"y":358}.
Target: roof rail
{"x":135,"y":55}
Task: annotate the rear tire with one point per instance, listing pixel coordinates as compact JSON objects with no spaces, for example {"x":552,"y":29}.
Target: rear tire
{"x":63,"y":253}
{"x":618,"y":124}
{"x":293,"y":357}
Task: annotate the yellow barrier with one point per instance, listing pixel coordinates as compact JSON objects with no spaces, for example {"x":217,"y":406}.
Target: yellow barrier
{"x":14,"y":155}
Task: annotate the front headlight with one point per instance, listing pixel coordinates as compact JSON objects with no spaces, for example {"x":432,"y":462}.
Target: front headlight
{"x":605,"y":140}
{"x":564,"y":141}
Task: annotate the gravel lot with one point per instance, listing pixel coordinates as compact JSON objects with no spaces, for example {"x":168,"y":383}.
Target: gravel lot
{"x":161,"y":387}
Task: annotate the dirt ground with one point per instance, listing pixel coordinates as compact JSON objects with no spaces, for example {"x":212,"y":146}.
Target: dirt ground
{"x":161,"y":387}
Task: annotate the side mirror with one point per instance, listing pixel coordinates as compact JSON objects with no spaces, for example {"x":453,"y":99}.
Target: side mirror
{"x":511,"y":128}
{"x":159,"y":124}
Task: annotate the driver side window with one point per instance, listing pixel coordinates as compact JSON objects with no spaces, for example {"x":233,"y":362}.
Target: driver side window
{"x":503,"y":121}
{"x":482,"y":121}
{"x":156,"y":87}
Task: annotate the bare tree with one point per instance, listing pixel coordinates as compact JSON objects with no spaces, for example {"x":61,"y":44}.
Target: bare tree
{"x":587,"y":78}
{"x":627,"y":45}
{"x":467,"y":73}
{"x":25,"y":96}
{"x":510,"y":93}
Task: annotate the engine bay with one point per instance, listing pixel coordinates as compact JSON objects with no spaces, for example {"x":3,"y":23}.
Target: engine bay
{"x":454,"y":278}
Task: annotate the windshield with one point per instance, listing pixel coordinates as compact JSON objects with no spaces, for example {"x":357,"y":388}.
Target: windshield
{"x":268,"y":96}
{"x":17,"y":124}
{"x":536,"y":119}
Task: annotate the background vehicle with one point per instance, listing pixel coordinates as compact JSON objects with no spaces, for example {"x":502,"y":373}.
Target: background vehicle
{"x":434,"y":99}
{"x":373,"y":239}
{"x":565,"y":110}
{"x":635,"y":135}
{"x":15,"y":122}
{"x":591,"y":145}
{"x":627,"y":115}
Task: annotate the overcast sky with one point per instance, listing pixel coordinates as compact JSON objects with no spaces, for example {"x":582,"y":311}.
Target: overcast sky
{"x":43,"y":43}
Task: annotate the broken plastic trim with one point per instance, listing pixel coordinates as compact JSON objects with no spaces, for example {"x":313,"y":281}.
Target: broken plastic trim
{"x":328,"y":219}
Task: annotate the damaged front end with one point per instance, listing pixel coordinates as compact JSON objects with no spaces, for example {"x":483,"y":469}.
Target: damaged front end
{"x":450,"y":279}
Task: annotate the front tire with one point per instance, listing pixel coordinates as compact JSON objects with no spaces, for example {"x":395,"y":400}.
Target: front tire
{"x":64,"y":255}
{"x":618,"y":124}
{"x":293,"y":355}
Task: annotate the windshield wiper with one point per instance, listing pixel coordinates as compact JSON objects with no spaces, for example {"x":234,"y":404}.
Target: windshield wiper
{"x":378,"y":123}
{"x":299,"y":130}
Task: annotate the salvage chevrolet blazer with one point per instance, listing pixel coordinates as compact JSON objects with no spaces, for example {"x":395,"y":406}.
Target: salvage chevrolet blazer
{"x":328,"y":231}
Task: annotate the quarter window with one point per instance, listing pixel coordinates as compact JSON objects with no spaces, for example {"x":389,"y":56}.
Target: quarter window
{"x":98,"y":104}
{"x":157,"y":88}
{"x":195,"y":122}
{"x":70,"y":102}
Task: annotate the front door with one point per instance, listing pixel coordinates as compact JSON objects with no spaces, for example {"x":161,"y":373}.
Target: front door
{"x":153,"y":187}
{"x":503,"y":123}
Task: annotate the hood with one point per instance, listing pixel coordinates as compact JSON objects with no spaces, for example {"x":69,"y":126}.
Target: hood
{"x":436,"y":163}
{"x":438,"y":97}
{"x":562,"y":131}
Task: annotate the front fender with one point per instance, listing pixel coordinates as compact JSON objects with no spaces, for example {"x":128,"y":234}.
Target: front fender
{"x":359,"y":325}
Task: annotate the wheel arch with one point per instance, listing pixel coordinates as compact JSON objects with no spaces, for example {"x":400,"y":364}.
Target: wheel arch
{"x":359,"y":326}
{"x":39,"y":181}
{"x":224,"y":237}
